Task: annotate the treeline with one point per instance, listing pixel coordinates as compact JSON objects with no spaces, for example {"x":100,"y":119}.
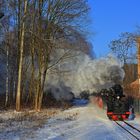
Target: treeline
{"x":125,"y":49}
{"x":31,"y":34}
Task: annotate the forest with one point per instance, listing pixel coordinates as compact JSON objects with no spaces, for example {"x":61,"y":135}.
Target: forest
{"x":36,"y":37}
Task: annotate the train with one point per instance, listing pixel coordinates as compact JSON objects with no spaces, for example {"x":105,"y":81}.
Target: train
{"x":118,"y":105}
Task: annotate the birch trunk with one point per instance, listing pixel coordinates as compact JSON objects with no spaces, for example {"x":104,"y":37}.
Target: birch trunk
{"x":7,"y":76}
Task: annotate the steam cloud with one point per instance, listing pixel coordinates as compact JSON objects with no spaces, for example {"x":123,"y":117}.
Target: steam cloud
{"x":85,"y":74}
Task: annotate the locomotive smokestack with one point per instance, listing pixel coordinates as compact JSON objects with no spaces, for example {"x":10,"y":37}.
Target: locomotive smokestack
{"x":138,"y":46}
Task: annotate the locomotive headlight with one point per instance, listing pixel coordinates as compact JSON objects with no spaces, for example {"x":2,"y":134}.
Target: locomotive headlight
{"x":118,"y":97}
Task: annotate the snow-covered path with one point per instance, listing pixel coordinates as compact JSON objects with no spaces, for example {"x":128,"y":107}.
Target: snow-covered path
{"x":83,"y":123}
{"x":79,"y":123}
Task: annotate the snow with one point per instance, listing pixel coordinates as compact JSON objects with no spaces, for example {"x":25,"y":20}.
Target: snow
{"x":77,"y":123}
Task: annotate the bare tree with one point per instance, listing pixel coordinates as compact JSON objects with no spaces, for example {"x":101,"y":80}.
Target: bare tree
{"x":125,"y":50}
{"x":52,"y":17}
{"x":124,"y":47}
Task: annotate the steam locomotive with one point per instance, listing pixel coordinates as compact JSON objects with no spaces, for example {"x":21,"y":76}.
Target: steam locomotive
{"x":118,"y":105}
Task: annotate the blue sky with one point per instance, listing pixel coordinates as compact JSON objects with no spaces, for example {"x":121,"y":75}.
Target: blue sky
{"x":109,"y":19}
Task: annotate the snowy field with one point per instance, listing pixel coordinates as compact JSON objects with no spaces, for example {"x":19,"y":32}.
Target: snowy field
{"x":77,"y":123}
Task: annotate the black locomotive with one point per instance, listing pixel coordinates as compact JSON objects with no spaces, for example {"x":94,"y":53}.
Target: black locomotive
{"x":118,"y":105}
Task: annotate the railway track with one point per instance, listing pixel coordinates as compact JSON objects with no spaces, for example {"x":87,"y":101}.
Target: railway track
{"x":128,"y":131}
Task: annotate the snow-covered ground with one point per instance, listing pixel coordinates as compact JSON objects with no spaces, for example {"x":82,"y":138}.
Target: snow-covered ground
{"x":77,"y":123}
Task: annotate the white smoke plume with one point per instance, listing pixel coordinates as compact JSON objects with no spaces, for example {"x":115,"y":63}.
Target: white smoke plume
{"x":85,"y":74}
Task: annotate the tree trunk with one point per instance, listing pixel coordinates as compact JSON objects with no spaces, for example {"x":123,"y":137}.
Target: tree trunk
{"x":43,"y":78}
{"x":18,"y":96}
{"x":7,"y":76}
{"x":40,"y":89}
{"x":37,"y":91}
{"x":11,"y":87}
